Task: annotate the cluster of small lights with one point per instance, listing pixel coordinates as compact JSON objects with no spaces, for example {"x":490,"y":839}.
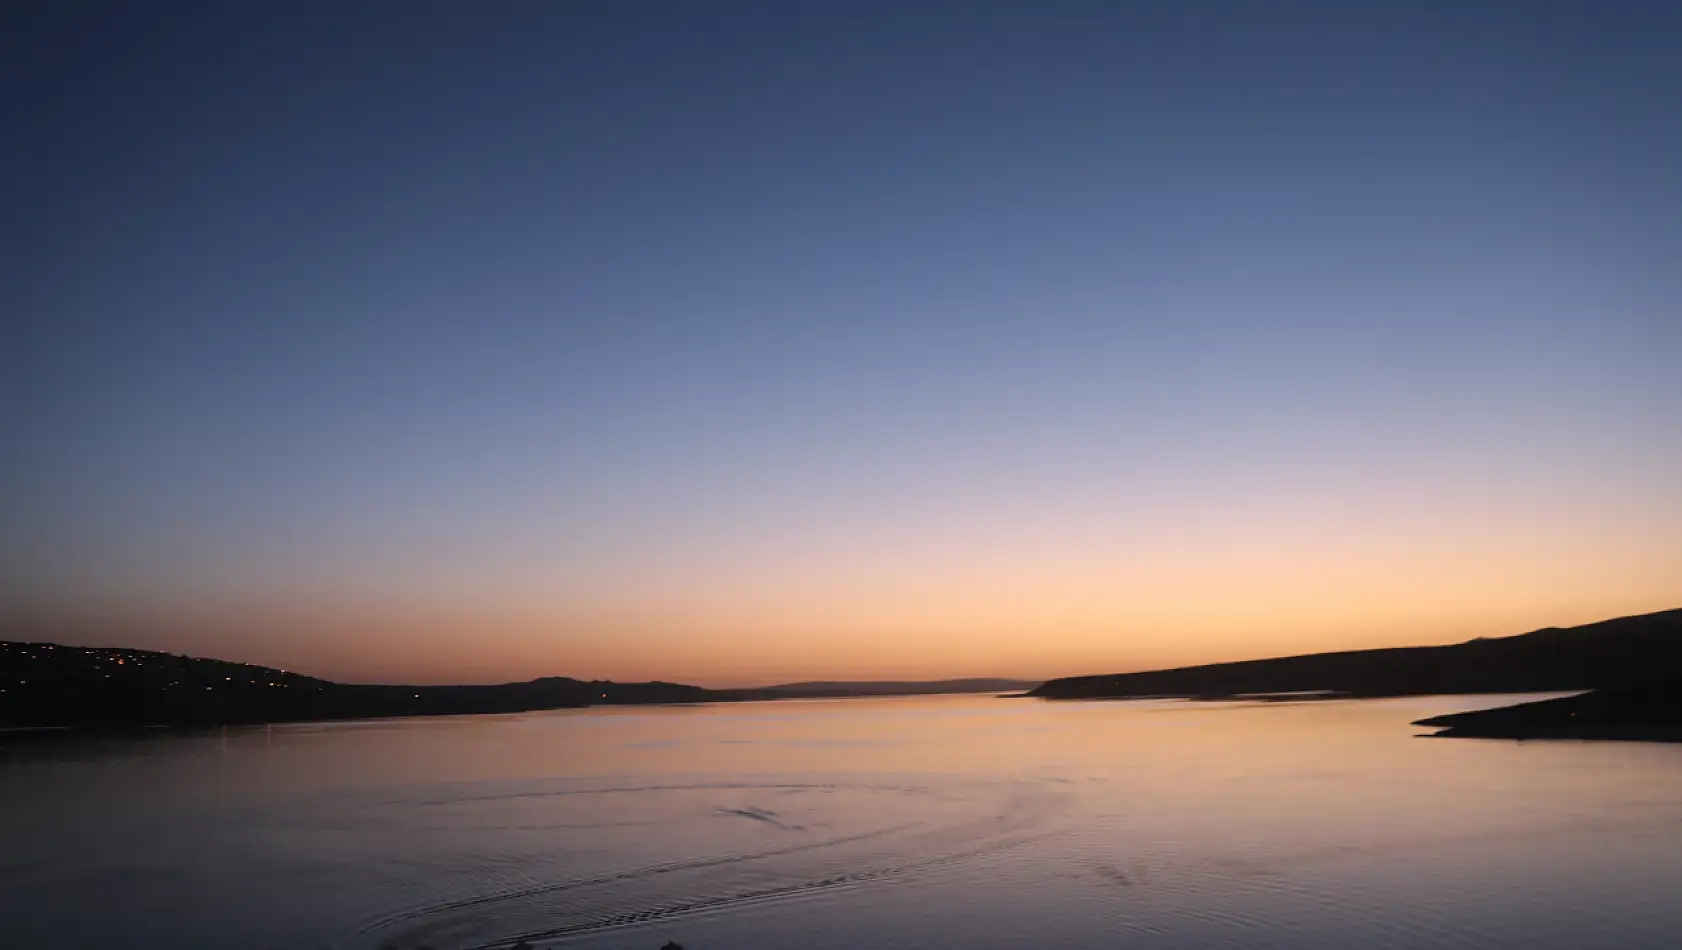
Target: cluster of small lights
{"x":105,"y":663}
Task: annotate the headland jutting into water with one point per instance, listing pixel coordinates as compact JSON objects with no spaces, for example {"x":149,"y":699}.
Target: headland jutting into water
{"x":1632,"y":665}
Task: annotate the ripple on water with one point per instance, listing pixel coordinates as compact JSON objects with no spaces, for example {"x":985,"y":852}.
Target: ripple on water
{"x":887,"y":830}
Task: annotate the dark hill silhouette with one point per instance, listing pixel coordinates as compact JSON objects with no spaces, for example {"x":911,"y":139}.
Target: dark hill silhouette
{"x":1650,"y":713}
{"x":45,"y":684}
{"x":1627,"y":651}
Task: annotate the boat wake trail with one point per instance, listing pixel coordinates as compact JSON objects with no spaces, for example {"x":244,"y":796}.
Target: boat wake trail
{"x":849,"y":835}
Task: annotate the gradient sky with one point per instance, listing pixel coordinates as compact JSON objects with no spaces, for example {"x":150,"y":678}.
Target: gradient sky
{"x":735,"y":343}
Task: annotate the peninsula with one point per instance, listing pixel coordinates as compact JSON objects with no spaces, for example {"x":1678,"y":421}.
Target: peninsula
{"x":1650,"y":713}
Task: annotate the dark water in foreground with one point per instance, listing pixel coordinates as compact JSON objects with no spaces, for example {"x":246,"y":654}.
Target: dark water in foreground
{"x":924,"y":822}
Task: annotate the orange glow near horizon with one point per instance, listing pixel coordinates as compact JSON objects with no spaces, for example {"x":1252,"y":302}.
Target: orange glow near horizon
{"x":1038,"y":607}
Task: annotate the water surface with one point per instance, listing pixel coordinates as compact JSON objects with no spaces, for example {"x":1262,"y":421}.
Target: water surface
{"x":849,"y":824}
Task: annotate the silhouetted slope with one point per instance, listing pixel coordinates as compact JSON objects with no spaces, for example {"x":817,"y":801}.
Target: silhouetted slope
{"x":897,"y":688}
{"x":1625,"y":651}
{"x":1650,"y":713}
{"x":44,"y":684}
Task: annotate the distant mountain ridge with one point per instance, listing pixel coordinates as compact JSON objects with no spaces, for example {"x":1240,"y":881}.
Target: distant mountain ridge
{"x":900,"y":687}
{"x":1626,"y":651}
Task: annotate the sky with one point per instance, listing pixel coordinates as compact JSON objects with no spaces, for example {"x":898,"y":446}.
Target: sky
{"x":743,"y":343}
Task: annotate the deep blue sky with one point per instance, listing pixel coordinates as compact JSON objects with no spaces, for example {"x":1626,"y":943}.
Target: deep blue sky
{"x":817,"y":331}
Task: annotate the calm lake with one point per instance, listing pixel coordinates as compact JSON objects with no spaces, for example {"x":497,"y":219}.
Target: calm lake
{"x":929,"y":822}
